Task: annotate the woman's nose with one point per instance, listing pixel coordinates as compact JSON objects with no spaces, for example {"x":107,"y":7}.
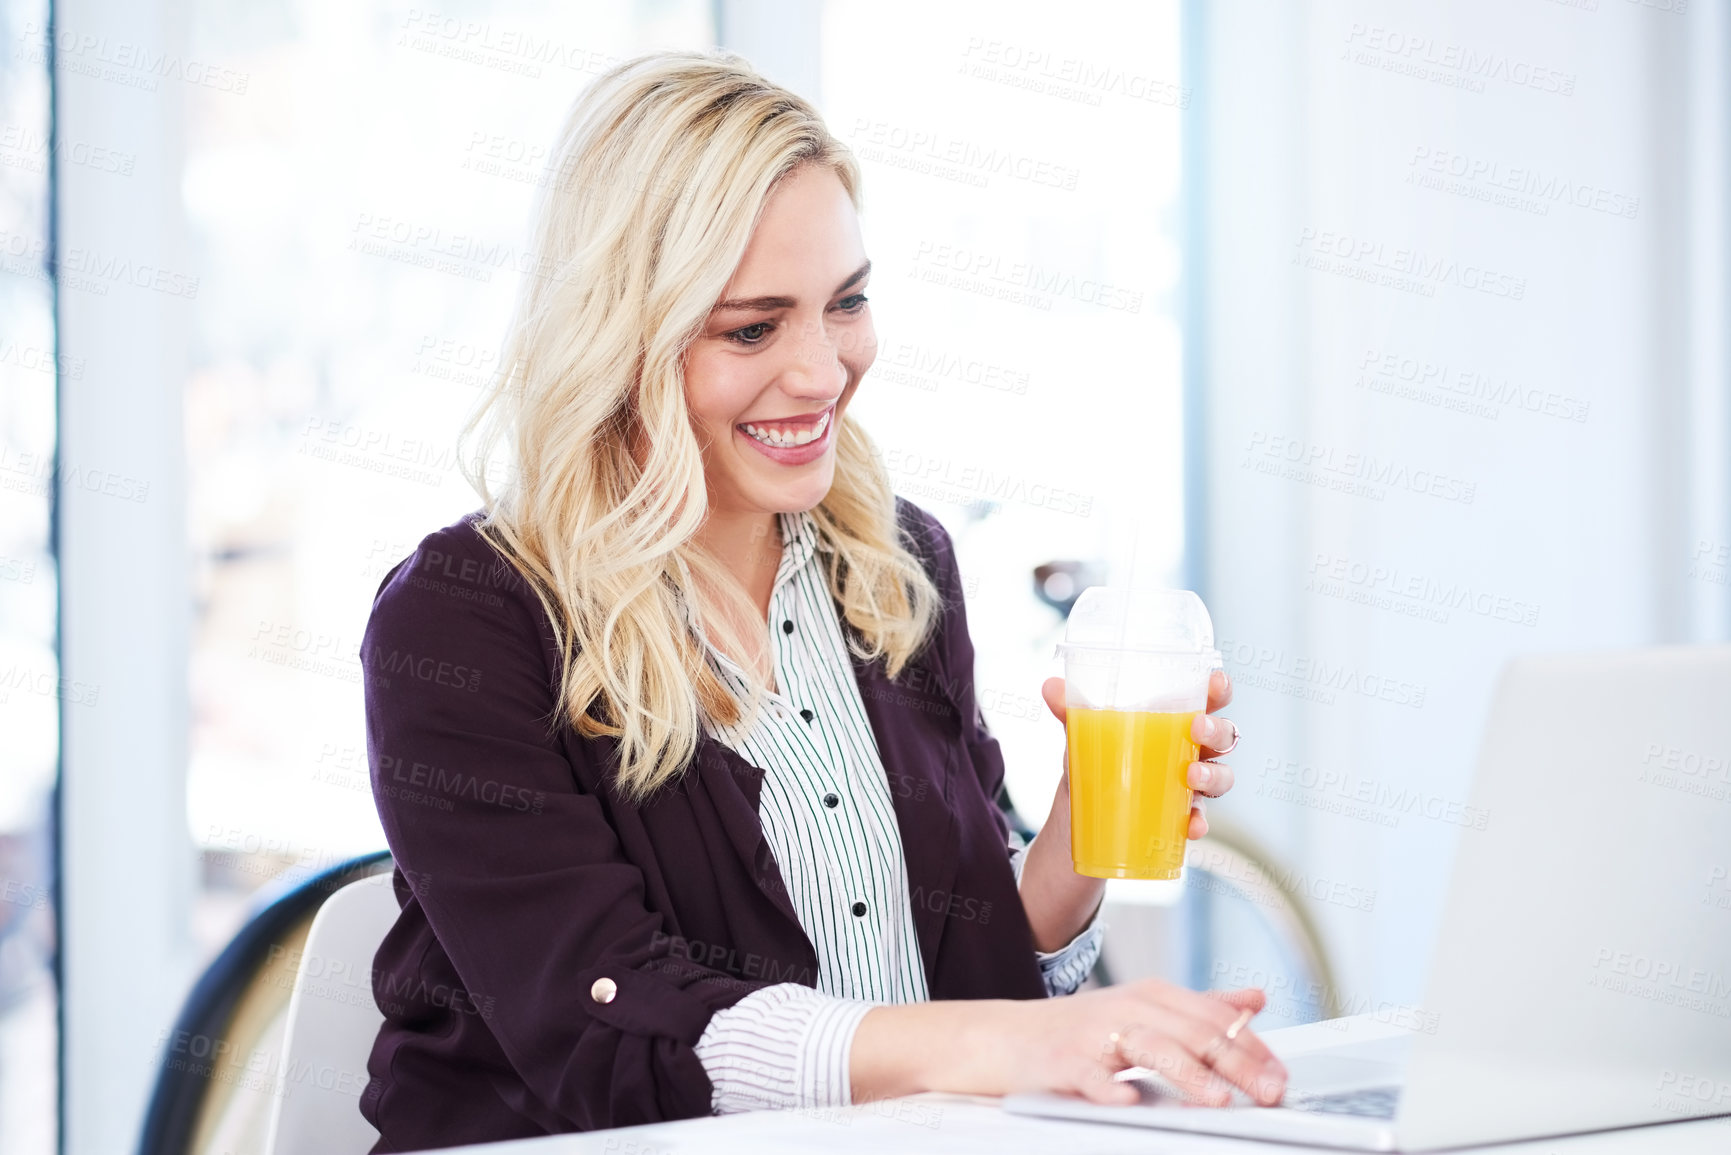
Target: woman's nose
{"x":815,"y":368}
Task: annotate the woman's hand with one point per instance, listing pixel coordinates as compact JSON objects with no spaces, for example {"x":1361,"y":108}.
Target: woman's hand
{"x":1208,"y":776}
{"x":1000,"y":1047}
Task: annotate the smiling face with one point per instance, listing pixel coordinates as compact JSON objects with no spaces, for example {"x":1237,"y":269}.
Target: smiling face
{"x":770,"y":375}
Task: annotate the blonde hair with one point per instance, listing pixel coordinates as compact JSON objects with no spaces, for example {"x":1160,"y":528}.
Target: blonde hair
{"x":663,"y":167}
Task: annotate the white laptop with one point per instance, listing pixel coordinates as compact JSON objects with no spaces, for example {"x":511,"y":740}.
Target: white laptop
{"x":1582,"y":977}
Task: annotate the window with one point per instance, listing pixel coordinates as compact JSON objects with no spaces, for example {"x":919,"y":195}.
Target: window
{"x":357,"y":217}
{"x":1021,"y":211}
{"x":32,"y":693}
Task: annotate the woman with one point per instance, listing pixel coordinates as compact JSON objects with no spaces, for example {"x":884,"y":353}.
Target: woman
{"x":676,"y":742}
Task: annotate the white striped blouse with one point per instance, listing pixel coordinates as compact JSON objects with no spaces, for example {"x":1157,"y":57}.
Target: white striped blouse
{"x":827,"y":814}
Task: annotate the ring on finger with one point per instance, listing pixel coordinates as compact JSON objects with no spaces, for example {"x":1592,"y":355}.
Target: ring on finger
{"x":1213,"y":1050}
{"x":1235,"y":736}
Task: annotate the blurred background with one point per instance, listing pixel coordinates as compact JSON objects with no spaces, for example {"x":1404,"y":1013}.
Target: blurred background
{"x":1395,"y":329}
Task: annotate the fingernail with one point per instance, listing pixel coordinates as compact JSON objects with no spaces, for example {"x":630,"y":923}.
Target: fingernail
{"x":1201,"y":773}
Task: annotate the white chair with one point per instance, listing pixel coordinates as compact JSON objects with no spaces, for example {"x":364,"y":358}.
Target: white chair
{"x":1238,"y":919}
{"x":332,"y":1022}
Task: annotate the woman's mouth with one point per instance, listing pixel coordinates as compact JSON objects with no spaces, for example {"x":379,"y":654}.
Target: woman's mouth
{"x":787,"y":434}
{"x":793,"y":440}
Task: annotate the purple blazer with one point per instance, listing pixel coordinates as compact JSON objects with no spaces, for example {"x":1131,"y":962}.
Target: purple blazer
{"x":525,"y":879}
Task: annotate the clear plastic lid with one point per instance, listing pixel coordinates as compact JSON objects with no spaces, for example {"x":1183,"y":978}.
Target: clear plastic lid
{"x":1156,"y":621}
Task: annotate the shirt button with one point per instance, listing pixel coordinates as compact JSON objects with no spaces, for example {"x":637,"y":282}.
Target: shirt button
{"x":831,"y":801}
{"x":807,"y":715}
{"x":787,"y":626}
{"x":603,"y":990}
{"x":859,"y":909}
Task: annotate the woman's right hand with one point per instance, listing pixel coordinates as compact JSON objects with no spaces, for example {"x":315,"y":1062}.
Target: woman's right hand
{"x":1064,"y":1045}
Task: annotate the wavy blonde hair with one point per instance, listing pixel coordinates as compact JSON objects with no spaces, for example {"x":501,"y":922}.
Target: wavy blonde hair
{"x":662,"y":169}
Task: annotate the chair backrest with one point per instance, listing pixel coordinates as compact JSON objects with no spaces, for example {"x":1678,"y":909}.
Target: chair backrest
{"x":214,"y":1088}
{"x":1236,"y":863}
{"x":1237,"y":919}
{"x":332,"y":1023}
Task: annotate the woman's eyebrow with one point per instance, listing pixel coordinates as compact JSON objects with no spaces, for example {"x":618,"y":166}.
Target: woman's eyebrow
{"x":747,"y":303}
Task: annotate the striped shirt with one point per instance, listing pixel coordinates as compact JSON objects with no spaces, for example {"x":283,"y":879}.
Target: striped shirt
{"x":827,"y":813}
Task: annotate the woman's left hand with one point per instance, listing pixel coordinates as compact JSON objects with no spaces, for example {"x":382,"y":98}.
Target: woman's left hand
{"x":1207,"y":776}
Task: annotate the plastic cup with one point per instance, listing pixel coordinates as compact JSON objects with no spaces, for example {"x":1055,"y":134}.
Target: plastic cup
{"x":1136,"y":670}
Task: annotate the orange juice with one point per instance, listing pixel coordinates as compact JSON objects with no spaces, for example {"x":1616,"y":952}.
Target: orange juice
{"x":1129,"y":791}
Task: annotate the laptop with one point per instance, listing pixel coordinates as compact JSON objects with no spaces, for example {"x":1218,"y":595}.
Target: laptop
{"x":1582,"y":975}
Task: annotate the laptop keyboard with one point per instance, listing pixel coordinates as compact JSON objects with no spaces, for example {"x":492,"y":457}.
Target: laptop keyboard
{"x":1370,"y":1103}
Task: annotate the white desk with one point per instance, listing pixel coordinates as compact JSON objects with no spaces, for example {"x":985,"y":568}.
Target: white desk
{"x":975,"y":1126}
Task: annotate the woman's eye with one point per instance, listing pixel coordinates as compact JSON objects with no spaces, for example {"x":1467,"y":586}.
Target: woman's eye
{"x":751,"y":334}
{"x":852,"y":304}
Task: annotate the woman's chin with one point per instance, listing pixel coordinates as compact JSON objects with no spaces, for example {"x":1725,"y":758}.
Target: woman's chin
{"x":798,"y":495}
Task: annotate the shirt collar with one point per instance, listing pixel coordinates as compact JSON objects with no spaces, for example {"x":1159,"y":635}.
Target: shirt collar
{"x":798,"y":542}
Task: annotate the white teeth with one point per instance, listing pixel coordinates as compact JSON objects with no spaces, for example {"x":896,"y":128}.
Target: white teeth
{"x":788,"y":438}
